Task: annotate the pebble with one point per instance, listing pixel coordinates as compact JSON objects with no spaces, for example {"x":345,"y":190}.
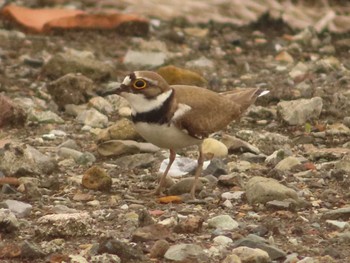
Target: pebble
{"x":44,"y":117}
{"x":101,"y":104}
{"x":185,"y":185}
{"x":67,"y":153}
{"x":223,"y":222}
{"x":237,"y":195}
{"x":253,"y":255}
{"x":261,"y":190}
{"x":254,"y":241}
{"x":159,"y":248}
{"x":72,"y":62}
{"x":92,"y":118}
{"x":12,"y":114}
{"x":123,"y":129}
{"x":341,"y":225}
{"x":125,"y":251}
{"x":298,"y":112}
{"x":151,"y":232}
{"x":105,"y":258}
{"x":222,"y":240}
{"x":201,"y":63}
{"x":216,"y":168}
{"x":232,"y":259}
{"x":122,"y":147}
{"x":185,"y":252}
{"x":191,"y":224}
{"x":288,"y":163}
{"x":336,"y":214}
{"x":31,"y":250}
{"x":70,"y":89}
{"x":8,"y":221}
{"x":63,"y":225}
{"x":232,"y":179}
{"x":96,"y":178}
{"x":20,"y":209}
{"x":235,"y":144}
{"x":213,"y":148}
{"x":144,"y":58}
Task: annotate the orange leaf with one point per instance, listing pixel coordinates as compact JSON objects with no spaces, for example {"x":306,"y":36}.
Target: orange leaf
{"x":170,"y":199}
{"x":309,"y":166}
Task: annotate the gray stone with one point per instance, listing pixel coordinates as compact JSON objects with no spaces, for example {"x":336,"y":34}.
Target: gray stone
{"x":140,"y":160}
{"x":340,"y":213}
{"x":31,"y":250}
{"x":216,"y":167}
{"x":44,"y":117}
{"x":282,"y":205}
{"x":123,"y":147}
{"x":185,"y":186}
{"x":70,"y":89}
{"x":101,"y":104}
{"x":232,"y":179}
{"x":64,"y":63}
{"x":63,"y":225}
{"x":261,"y":190}
{"x":297,"y":112}
{"x":110,"y":258}
{"x":20,"y":209}
{"x":71,"y":144}
{"x":123,"y":129}
{"x":338,"y":224}
{"x":222,"y":240}
{"x":8,"y":221}
{"x":92,"y":118}
{"x":67,"y":153}
{"x":75,"y":110}
{"x":145,"y":58}
{"x":235,"y":144}
{"x":254,"y":241}
{"x":24,"y":160}
{"x":277,"y":156}
{"x":159,"y":248}
{"x":288,"y":163}
{"x":223,"y":222}
{"x":251,"y":255}
{"x":201,"y":62}
{"x":186,"y":252}
{"x":232,"y":259}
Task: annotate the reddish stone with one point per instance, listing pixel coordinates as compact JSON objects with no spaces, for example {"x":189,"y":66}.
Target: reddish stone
{"x":11,"y":114}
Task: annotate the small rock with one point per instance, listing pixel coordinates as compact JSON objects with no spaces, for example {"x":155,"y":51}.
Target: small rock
{"x":181,"y":166}
{"x":297,"y":112}
{"x":64,"y":63}
{"x":122,"y":147}
{"x":277,"y":156}
{"x":97,"y":179}
{"x":62,"y":225}
{"x":237,"y":195}
{"x":216,"y":168}
{"x":144,"y":58}
{"x":75,"y":110}
{"x":191,"y":224}
{"x":92,"y":118}
{"x":281,"y":205}
{"x":70,"y":89}
{"x":67,"y":153}
{"x":184,"y":186}
{"x":8,"y":221}
{"x":20,"y":209}
{"x":140,"y":160}
{"x":151,"y":232}
{"x":44,"y":117}
{"x":11,"y":113}
{"x":261,"y":190}
{"x":340,"y":213}
{"x":233,"y":179}
{"x":105,"y":258}
{"x":298,"y":70}
{"x":71,"y":144}
{"x":179,"y":76}
{"x":213,"y":148}
{"x":101,"y":104}
{"x":251,"y":255}
{"x":200,"y":63}
{"x":254,"y":241}
{"x":185,"y":253}
{"x":237,"y":145}
{"x":159,"y":248}
{"x":125,"y":251}
{"x":341,"y":225}
{"x":284,"y":56}
{"x":31,"y":250}
{"x":232,"y":259}
{"x":222,"y":240}
{"x":223,"y":222}
{"x":123,"y":129}
{"x":288,"y":163}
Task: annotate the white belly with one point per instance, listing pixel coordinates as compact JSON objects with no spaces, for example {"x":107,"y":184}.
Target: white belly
{"x":168,"y":137}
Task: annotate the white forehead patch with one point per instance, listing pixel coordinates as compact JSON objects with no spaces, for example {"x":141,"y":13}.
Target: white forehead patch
{"x":127,"y":80}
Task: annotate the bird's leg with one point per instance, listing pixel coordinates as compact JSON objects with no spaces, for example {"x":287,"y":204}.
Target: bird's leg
{"x":161,"y":184}
{"x":198,"y":172}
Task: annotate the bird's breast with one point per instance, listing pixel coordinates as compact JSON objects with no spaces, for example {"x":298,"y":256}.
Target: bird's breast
{"x":165,"y":136}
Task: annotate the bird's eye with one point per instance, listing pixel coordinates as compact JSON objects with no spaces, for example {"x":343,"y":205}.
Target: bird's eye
{"x":139,"y":84}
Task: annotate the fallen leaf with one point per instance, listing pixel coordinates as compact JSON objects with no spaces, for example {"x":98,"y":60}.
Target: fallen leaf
{"x":170,"y":199}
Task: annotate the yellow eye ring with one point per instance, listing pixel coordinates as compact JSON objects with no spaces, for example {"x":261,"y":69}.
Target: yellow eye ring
{"x":139,"y":84}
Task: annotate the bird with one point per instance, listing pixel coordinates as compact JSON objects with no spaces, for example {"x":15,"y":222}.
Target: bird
{"x":177,"y":116}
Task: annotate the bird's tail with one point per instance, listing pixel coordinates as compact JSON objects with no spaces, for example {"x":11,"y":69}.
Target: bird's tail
{"x":245,"y":97}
